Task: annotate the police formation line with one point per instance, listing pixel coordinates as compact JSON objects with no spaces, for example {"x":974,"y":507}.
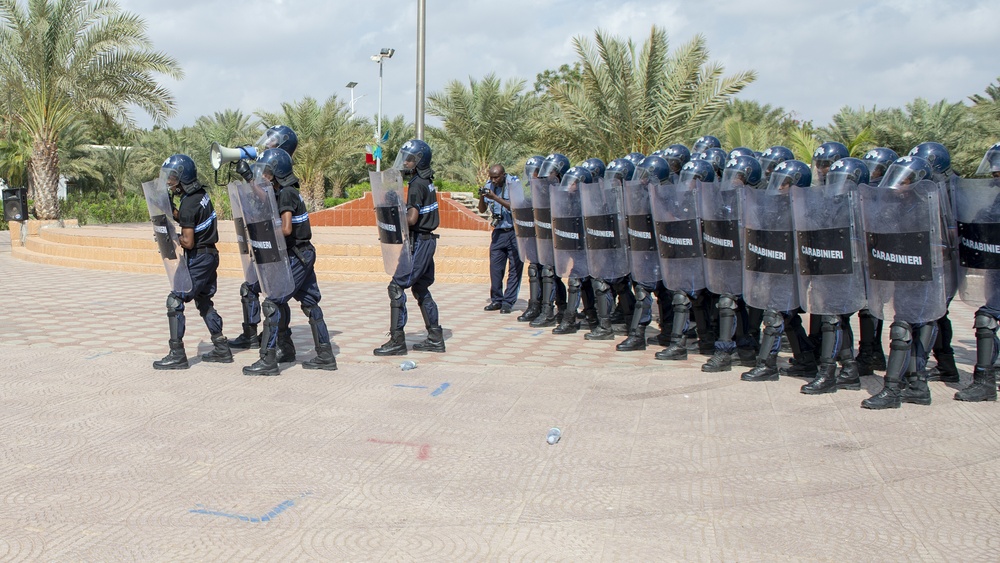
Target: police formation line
{"x":739,"y":243}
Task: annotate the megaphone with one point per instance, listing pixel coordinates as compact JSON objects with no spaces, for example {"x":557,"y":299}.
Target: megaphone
{"x":220,"y":155}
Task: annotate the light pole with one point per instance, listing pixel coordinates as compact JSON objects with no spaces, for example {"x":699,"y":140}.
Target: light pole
{"x":382,"y":55}
{"x":421,"y":56}
{"x":350,"y":86}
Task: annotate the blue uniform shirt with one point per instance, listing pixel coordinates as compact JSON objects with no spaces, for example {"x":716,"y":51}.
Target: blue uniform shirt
{"x":506,"y":219}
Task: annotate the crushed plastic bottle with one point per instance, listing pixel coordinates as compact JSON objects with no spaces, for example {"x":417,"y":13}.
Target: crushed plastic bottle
{"x":408,"y":365}
{"x":554,"y":435}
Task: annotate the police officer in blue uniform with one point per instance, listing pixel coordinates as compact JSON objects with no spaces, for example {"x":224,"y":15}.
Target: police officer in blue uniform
{"x":503,"y":244}
{"x":199,"y":234}
{"x":276,"y":166}
{"x":282,"y":137}
{"x":414,"y":160}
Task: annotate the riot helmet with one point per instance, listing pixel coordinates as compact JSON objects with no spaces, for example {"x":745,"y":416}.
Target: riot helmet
{"x":180,"y":174}
{"x":717,"y":158}
{"x":575,"y":176}
{"x":905,"y":171}
{"x":652,"y":170}
{"x":772,"y":157}
{"x":279,"y":137}
{"x":698,"y":170}
{"x":706,"y":142}
{"x":742,"y":170}
{"x":824,"y":156}
{"x":619,"y":169}
{"x":532,"y":165}
{"x":413,"y":156}
{"x":554,"y":167}
{"x":878,"y":160}
{"x":936,"y":154}
{"x":789,"y":173}
{"x":991,"y":162}
{"x":851,"y":169}
{"x":741,"y":151}
{"x":595,"y":165}
{"x":635,"y":158}
{"x":277,"y":164}
{"x":677,"y":156}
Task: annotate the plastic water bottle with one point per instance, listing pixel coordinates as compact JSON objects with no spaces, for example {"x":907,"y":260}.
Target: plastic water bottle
{"x":554,"y":435}
{"x":408,"y":365}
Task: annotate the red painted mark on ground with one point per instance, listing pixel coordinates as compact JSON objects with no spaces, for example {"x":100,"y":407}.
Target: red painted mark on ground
{"x":423,"y":450}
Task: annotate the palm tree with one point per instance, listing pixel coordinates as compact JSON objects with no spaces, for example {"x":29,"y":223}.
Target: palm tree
{"x":492,"y":120}
{"x":748,"y":123}
{"x":327,"y":135}
{"x":60,"y":58}
{"x":629,"y":99}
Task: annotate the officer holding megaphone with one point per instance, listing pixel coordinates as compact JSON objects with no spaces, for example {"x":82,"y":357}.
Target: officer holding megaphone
{"x":281,"y":137}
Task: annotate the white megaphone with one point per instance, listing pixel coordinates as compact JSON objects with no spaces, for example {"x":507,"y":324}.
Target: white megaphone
{"x":221,"y":155}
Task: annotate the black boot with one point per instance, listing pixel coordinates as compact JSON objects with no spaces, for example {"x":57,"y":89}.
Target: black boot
{"x":249,"y":339}
{"x":825,"y":382}
{"x":434,"y":341}
{"x":266,"y":365}
{"x":748,"y":357}
{"x":602,"y":331}
{"x":804,"y":366}
{"x":946,"y":369}
{"x":916,"y":390}
{"x":324,"y":359}
{"x":721,"y":360}
{"x":636,"y":340}
{"x":531,"y":313}
{"x":849,"y":376}
{"x":891,"y":395}
{"x":220,"y":353}
{"x":867,"y":362}
{"x":176,"y":359}
{"x":546,"y":317}
{"x":676,"y":351}
{"x":766,"y":370}
{"x":661,"y":338}
{"x":983,"y":388}
{"x":567,"y":325}
{"x":286,"y":348}
{"x":396,"y":345}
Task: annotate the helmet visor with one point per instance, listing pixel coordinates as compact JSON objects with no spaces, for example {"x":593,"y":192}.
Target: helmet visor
{"x":990,"y":163}
{"x":271,"y":139}
{"x":900,"y":175}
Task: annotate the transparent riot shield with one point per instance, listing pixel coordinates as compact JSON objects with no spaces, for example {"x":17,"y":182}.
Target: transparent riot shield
{"x":947,"y":186}
{"x":977,"y":206}
{"x":541,"y":206}
{"x":242,"y":241}
{"x":604,"y":221}
{"x":165,"y":234}
{"x":568,"y":234}
{"x":903,"y":242}
{"x":270,"y":255}
{"x":390,"y":217}
{"x":524,"y":220}
{"x":722,"y":238}
{"x":677,"y":222}
{"x":830,"y":248}
{"x":769,"y":280}
{"x":644,"y":256}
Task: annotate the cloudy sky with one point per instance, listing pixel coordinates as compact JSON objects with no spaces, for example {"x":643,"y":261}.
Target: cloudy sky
{"x":256,"y":54}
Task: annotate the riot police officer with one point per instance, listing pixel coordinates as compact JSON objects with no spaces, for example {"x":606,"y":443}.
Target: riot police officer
{"x":526,"y":226}
{"x":553,"y":289}
{"x":704,"y":143}
{"x":281,"y":137}
{"x":607,"y":247}
{"x":275,"y":166}
{"x":823,"y":158}
{"x":422,"y":216}
{"x":199,"y":233}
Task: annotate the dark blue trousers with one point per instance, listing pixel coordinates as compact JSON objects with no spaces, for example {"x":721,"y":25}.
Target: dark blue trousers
{"x":503,"y":252}
{"x":203,"y":268}
{"x":420,"y":279}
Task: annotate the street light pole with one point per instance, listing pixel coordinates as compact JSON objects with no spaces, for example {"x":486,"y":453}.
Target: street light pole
{"x":421,"y":55}
{"x":350,"y":86}
{"x":385,"y":53}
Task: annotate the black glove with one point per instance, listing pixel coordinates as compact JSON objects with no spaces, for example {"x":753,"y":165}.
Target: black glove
{"x":243,"y":169}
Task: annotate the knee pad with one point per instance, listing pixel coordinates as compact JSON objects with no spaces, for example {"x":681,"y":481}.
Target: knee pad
{"x":830,"y":323}
{"x":641,"y":293}
{"x":532,"y":271}
{"x":312,"y":312}
{"x":901,"y":331}
{"x":268,"y":308}
{"x":985,"y":322}
{"x":772,"y":320}
{"x":174,"y":304}
{"x":601,"y":287}
{"x":574,"y":284}
{"x":726,"y":301}
{"x":680,"y":301}
{"x":395,"y":293}
{"x":548,"y":272}
{"x":247,"y":291}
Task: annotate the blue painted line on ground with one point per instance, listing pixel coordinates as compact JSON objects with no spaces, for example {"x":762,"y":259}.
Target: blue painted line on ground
{"x":99,"y":355}
{"x":267,"y":517}
{"x":440,"y":389}
{"x":538,"y":333}
{"x":410,"y":386}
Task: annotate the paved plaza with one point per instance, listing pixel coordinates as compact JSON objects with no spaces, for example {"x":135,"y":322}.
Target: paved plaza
{"x":104,"y":459}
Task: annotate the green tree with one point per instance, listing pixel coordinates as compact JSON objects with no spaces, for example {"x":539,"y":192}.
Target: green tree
{"x":748,"y":123}
{"x":629,"y":99}
{"x":492,"y":120}
{"x":60,"y":59}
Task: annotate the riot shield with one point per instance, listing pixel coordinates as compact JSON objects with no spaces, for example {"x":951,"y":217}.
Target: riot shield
{"x":829,"y":246}
{"x":524,"y":220}
{"x":270,"y":256}
{"x":977,"y":206}
{"x":249,"y":272}
{"x":390,"y":217}
{"x":677,"y":222}
{"x":769,"y":250}
{"x":165,"y":234}
{"x":568,"y":235}
{"x":604,"y":221}
{"x":644,"y":257}
{"x":722,"y":238}
{"x":947,"y":186}
{"x":541,"y":206}
{"x":903,"y":242}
